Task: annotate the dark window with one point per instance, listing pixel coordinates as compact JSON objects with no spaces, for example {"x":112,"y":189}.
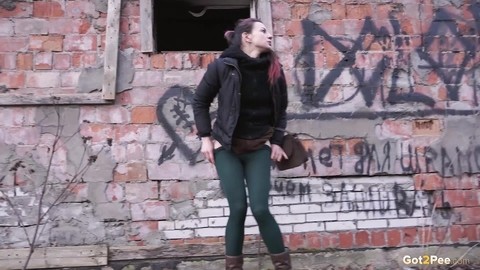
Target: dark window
{"x":196,"y":25}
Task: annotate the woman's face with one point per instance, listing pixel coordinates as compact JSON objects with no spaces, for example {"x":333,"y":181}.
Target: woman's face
{"x":260,"y":37}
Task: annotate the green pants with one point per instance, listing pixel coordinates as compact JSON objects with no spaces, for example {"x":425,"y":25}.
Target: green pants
{"x":253,"y":171}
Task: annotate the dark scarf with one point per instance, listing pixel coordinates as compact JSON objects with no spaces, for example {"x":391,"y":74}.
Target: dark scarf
{"x":244,"y":60}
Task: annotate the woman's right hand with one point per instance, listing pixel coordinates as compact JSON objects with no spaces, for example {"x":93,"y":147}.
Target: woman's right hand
{"x":207,"y":149}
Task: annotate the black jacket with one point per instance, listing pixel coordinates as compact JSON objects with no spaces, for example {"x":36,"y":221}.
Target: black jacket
{"x":223,"y":78}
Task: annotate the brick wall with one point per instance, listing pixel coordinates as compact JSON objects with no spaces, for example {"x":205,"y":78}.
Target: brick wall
{"x":388,"y":88}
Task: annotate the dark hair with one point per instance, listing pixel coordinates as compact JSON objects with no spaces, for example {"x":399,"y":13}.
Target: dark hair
{"x":234,"y":38}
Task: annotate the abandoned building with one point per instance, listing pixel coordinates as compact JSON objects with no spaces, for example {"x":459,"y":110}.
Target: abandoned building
{"x":100,"y":165}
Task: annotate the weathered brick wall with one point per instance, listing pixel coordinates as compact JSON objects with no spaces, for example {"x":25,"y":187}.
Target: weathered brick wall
{"x":389,"y":88}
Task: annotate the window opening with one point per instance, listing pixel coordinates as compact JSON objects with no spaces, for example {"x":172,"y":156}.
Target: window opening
{"x":196,"y":25}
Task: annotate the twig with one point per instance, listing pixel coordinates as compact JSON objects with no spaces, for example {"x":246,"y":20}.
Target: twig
{"x":464,"y":254}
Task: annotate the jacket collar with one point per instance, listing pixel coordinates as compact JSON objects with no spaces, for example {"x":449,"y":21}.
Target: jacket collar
{"x":230,"y":61}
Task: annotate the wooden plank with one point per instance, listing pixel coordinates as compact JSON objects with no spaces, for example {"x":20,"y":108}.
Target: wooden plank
{"x":174,"y":251}
{"x":146,"y":26}
{"x":264,"y":13}
{"x":111,"y":49}
{"x":53,"y":99}
{"x":253,"y":9}
{"x":51,"y":257}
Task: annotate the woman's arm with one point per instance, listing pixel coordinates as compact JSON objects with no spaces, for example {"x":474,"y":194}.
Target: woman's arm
{"x":281,"y":123}
{"x":204,"y":95}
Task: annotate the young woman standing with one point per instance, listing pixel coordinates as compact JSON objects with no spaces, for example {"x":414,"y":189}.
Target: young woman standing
{"x":252,"y":101}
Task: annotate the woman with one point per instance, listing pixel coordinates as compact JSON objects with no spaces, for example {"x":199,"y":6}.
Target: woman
{"x":252,"y":102}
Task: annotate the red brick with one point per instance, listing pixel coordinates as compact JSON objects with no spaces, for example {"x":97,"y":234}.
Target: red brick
{"x":382,"y":11}
{"x":47,"y":9}
{"x":135,"y":171}
{"x":83,"y":59}
{"x":329,"y":240}
{"x":12,"y":79}
{"x":143,"y":115}
{"x":173,"y":60}
{"x":471,"y":233}
{"x":378,"y":238}
{"x":84,"y":26}
{"x":112,"y":114}
{"x":394,"y":238}
{"x":194,"y":59}
{"x":22,"y":9}
{"x":397,"y":128}
{"x":142,"y":229}
{"x":139,"y":192}
{"x":43,"y":61}
{"x":334,"y":27}
{"x":97,"y":132}
{"x":206,"y":59}
{"x":141,"y":61}
{"x":80,"y":9}
{"x":61,"y":61}
{"x":338,"y":11}
{"x":299,"y":11}
{"x":176,"y":242}
{"x":431,"y":181}
{"x":64,"y":26}
{"x":469,"y":215}
{"x":46,"y":43}
{"x":131,"y":133}
{"x":456,"y":233}
{"x":293,"y":28}
{"x":359,"y":11}
{"x":409,"y":236}
{"x":8,"y":61}
{"x":13,"y":44}
{"x":130,"y":9}
{"x":345,"y":240}
{"x":296,"y":241}
{"x":362,"y":239}
{"x":281,"y":10}
{"x":43,"y":79}
{"x":130,"y":41}
{"x":80,"y":42}
{"x":158,"y":61}
{"x":441,"y":235}
{"x":24,"y":61}
{"x":313,"y":241}
{"x":427,"y":127}
{"x":471,"y":197}
{"x":176,"y":191}
{"x":454,"y":197}
{"x":425,"y":235}
{"x":150,"y":210}
{"x":332,"y":60}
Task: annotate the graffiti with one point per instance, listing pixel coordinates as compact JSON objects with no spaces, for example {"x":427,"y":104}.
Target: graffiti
{"x":390,"y":77}
{"x":369,"y":160}
{"x":174,"y":114}
{"x":371,"y":198}
{"x":290,"y":188}
{"x":392,"y":73}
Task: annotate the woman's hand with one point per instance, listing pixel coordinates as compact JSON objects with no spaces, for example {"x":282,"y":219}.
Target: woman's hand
{"x":207,"y":149}
{"x":277,"y":153}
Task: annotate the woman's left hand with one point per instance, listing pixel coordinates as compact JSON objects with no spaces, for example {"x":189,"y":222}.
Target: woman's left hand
{"x":277,"y":153}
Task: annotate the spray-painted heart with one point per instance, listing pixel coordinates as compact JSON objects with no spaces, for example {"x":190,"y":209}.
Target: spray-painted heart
{"x":175,"y":114}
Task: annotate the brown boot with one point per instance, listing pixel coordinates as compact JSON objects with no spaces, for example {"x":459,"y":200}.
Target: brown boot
{"x":282,"y":261}
{"x":233,"y":262}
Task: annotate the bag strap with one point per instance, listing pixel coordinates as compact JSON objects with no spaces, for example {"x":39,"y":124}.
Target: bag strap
{"x":298,"y":133}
